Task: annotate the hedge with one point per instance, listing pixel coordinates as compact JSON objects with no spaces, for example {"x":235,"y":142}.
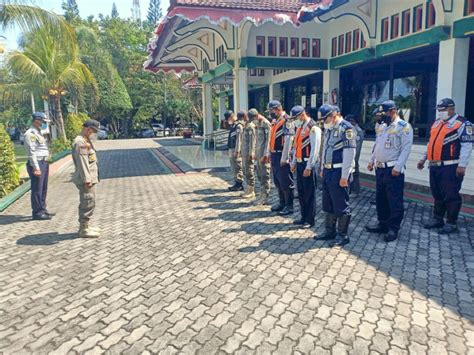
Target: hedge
{"x":9,"y":174}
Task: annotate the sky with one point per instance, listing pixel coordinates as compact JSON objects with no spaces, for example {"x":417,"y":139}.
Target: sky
{"x":86,"y":8}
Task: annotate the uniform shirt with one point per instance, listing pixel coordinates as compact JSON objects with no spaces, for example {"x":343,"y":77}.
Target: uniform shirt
{"x":288,"y":134}
{"x":393,"y":144}
{"x":85,"y":162}
{"x":263,"y":128}
{"x":37,"y":147}
{"x":248,"y":140}
{"x":340,"y":147}
{"x":314,"y":142}
{"x":359,"y":141}
{"x":465,"y":137}
{"x":235,"y":136}
{"x":280,"y":136}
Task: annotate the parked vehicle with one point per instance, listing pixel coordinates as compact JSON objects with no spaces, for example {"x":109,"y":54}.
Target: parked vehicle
{"x":102,"y":133}
{"x":146,"y":133}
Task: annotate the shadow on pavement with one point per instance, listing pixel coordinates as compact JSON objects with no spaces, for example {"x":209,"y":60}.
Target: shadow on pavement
{"x":45,"y":238}
{"x":285,"y":246}
{"x":205,"y":192}
{"x":238,"y":216}
{"x":6,"y":220}
{"x":259,"y":228}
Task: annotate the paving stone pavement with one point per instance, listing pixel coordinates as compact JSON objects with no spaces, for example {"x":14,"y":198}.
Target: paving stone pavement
{"x":185,"y":267}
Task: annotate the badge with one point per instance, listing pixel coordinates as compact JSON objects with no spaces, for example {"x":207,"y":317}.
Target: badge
{"x":33,"y":139}
{"x":320,"y":115}
{"x":349,"y":134}
{"x":388,"y":144}
{"x":289,"y":125}
{"x":336,"y":133}
{"x":469,"y":130}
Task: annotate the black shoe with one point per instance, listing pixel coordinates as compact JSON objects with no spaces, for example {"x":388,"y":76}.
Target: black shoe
{"x":391,"y":236}
{"x":236,"y":187}
{"x":42,"y":217}
{"x":377,"y":228}
{"x":340,"y":241}
{"x":307,"y":225}
{"x":278,"y":208}
{"x":51,"y":214}
{"x":286,"y":211}
{"x":325,"y":236}
{"x":433,"y":223}
{"x":448,"y":228}
{"x":330,"y":225}
{"x":298,"y":222}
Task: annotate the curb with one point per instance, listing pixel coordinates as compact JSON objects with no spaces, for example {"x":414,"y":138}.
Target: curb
{"x":21,"y":190}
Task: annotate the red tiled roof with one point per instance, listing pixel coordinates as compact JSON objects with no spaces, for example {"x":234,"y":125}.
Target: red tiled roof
{"x":266,"y":5}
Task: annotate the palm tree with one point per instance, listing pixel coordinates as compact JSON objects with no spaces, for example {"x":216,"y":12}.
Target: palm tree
{"x":48,"y":66}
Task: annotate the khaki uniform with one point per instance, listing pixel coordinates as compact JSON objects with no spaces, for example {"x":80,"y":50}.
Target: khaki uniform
{"x":263,"y":128}
{"x":235,"y":146}
{"x":87,"y":171}
{"x":248,"y":153}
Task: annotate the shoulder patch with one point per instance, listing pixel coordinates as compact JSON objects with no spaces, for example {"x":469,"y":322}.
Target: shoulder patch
{"x":289,"y":125}
{"x":349,"y":133}
{"x":469,"y":130}
{"x":402,"y":123}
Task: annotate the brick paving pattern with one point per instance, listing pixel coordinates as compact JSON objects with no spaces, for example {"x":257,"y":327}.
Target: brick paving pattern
{"x":185,"y":267}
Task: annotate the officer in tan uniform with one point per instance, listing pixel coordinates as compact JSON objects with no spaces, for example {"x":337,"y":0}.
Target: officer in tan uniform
{"x":248,"y":155}
{"x":234,"y":144}
{"x":86,"y":176}
{"x":262,"y":151}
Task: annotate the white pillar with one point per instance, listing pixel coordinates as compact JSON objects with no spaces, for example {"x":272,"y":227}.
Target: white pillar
{"x":274,"y":92}
{"x":330,"y":83}
{"x":241,"y":90}
{"x":452,"y":71}
{"x":221,"y":107}
{"x":208,"y":125}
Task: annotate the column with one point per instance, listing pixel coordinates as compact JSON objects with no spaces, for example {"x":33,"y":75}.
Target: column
{"x":274,"y":91}
{"x":331,"y":87}
{"x":208,"y":125}
{"x":241,"y":90}
{"x":452,"y":71}
{"x":222,"y":108}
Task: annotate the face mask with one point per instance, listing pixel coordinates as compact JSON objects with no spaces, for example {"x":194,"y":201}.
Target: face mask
{"x":273,"y":115}
{"x":443,"y":115}
{"x":93,"y":137}
{"x":44,"y":126}
{"x":385,"y":119}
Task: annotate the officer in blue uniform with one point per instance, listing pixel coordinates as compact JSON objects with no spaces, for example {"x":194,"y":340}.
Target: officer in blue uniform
{"x":338,"y":163}
{"x":389,"y":157}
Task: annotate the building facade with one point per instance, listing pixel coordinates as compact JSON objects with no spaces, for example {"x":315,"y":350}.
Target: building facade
{"x":354,"y":53}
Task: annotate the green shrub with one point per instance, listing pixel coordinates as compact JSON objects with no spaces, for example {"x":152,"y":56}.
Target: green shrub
{"x":59,"y":145}
{"x":74,"y":124}
{"x":9,"y":175}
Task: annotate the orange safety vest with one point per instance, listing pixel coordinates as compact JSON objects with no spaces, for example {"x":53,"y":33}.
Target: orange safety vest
{"x":302,"y":142}
{"x":444,"y":143}
{"x":277,"y":139}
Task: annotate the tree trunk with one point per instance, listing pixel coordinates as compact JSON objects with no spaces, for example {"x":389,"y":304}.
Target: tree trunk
{"x":59,"y":117}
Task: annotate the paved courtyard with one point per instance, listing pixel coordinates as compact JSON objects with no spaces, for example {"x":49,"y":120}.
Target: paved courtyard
{"x":185,"y":267}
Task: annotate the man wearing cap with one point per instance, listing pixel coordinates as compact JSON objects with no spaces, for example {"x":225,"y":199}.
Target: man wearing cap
{"x":355,"y":185}
{"x":37,"y":166}
{"x":262,"y":151}
{"x":234,"y":143}
{"x":248,"y":155}
{"x":338,"y":164}
{"x":281,"y":140}
{"x":86,"y":176}
{"x":449,"y":151}
{"x":389,"y":157}
{"x":305,"y":157}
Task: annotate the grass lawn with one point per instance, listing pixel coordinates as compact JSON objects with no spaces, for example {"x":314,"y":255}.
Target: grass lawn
{"x":20,"y":154}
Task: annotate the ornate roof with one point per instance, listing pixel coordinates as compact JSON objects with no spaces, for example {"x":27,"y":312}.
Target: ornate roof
{"x":265,"y":5}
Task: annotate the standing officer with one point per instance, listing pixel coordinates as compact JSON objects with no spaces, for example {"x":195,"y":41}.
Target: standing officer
{"x":448,"y":153}
{"x":305,"y":157}
{"x":262,"y":152}
{"x":281,"y":139}
{"x":392,"y":148}
{"x":338,"y":163}
{"x":248,"y":155}
{"x":86,"y":176}
{"x":38,"y":167}
{"x":355,"y":185}
{"x":234,"y":143}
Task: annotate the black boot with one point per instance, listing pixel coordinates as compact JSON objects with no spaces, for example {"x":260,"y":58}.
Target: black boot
{"x":330,"y":233}
{"x":281,"y":205}
{"x":289,"y":197}
{"x":376,"y":228}
{"x":342,"y":227}
{"x":437,"y":221}
{"x":238,"y":186}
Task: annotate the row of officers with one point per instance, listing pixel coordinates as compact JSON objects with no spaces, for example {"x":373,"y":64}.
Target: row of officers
{"x":327,"y":152}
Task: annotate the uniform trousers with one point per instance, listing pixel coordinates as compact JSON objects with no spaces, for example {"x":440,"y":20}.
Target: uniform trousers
{"x":389,"y":198}
{"x":282,"y":175}
{"x":236,"y":165}
{"x":263,"y":172}
{"x":335,"y":197}
{"x":86,"y":202}
{"x":445,"y":186}
{"x":248,"y":164}
{"x":39,"y":187}
{"x":306,"y":193}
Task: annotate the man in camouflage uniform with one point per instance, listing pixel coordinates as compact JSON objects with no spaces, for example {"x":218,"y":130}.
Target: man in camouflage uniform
{"x":248,"y":155}
{"x":262,"y":151}
{"x":234,"y":145}
{"x":86,"y":176}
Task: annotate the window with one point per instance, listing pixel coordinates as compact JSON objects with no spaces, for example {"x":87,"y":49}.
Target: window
{"x":305,"y":47}
{"x":341,"y":45}
{"x":470,"y":7}
{"x":260,"y":72}
{"x":260,"y":45}
{"x":395,"y":26}
{"x":272,"y":46}
{"x":295,"y":50}
{"x":418,"y":18}
{"x":348,"y":42}
{"x":253,"y":72}
{"x":406,"y":22}
{"x":316,"y":48}
{"x":385,"y":29}
{"x":431,"y":15}
{"x":356,"y":44}
{"x":283,"y":47}
{"x":334,"y":47}
{"x":363,"y":42}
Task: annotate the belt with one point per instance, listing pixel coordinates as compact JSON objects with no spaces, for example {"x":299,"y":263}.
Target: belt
{"x":389,"y":164}
{"x":443,"y":162}
{"x":300,"y":160}
{"x":332,"y":166}
{"x":276,"y":151}
{"x":41,"y":158}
